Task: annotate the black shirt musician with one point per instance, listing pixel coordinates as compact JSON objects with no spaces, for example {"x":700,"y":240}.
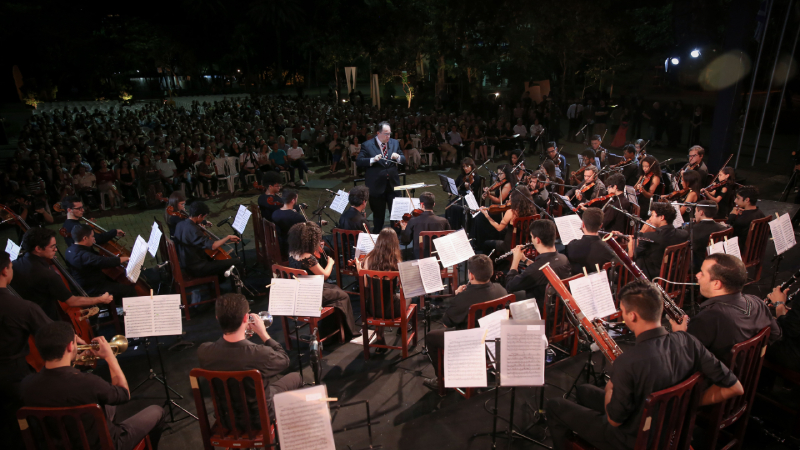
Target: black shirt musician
{"x":589,"y":189}
{"x":270,"y":201}
{"x":704,"y":224}
{"x":285,"y":217}
{"x":192,"y":242}
{"x":611,"y":418}
{"x":34,"y":280}
{"x":630,"y":168}
{"x":59,"y":385}
{"x":532,"y":280}
{"x":75,"y":210}
{"x":427,"y":221}
{"x":589,"y":251}
{"x":744,"y":212}
{"x":468,"y":180}
{"x":87,"y":266}
{"x":786,"y":352}
{"x":613,"y":220}
{"x":662,"y":234}
{"x":381,"y":157}
{"x":354,"y":218}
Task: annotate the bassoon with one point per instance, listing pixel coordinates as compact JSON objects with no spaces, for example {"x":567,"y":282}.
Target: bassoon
{"x":594,"y":327}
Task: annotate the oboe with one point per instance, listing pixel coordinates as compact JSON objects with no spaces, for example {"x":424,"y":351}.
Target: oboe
{"x":790,"y":281}
{"x":506,"y":255}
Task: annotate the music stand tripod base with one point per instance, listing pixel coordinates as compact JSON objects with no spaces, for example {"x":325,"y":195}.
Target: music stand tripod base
{"x":152,"y":376}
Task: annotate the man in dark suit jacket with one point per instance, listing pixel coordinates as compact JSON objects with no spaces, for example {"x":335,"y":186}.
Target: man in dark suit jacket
{"x":354,"y":218}
{"x":614,"y":220}
{"x":427,"y":221}
{"x":702,"y":228}
{"x":589,"y":251}
{"x":650,"y":254}
{"x":381,"y":156}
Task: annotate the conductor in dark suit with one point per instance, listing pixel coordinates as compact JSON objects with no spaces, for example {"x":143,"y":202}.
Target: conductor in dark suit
{"x":427,"y":221}
{"x":381,"y":157}
{"x":589,"y":251}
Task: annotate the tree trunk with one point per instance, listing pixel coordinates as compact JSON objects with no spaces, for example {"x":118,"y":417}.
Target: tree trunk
{"x":281,"y":79}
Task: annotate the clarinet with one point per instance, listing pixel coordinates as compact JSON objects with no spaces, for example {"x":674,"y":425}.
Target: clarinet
{"x":506,"y":255}
{"x":790,"y":281}
{"x":594,"y":327}
{"x":670,"y":308}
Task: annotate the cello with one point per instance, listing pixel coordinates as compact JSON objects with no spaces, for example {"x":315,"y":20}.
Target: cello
{"x":219,"y":254}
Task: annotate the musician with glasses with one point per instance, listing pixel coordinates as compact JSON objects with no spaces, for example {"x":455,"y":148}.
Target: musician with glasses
{"x":614,"y":220}
{"x":75,"y":210}
{"x":610,"y":418}
{"x":34,"y":280}
{"x":60,"y":385}
{"x":695,"y":163}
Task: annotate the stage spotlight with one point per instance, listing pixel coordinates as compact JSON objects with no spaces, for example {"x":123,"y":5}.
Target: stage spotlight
{"x":695,"y":53}
{"x":675,"y":61}
{"x":497,"y":94}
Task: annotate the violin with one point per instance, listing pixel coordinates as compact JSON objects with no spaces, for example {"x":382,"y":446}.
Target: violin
{"x":676,"y":195}
{"x":493,"y":187}
{"x":597,"y":200}
{"x":644,"y":179}
{"x":578,"y":172}
{"x":587,"y":187}
{"x":714,"y":186}
{"x":407,"y":216}
{"x":499,"y":209}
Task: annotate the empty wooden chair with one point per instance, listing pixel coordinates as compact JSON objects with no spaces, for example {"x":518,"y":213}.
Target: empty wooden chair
{"x":380,"y":292}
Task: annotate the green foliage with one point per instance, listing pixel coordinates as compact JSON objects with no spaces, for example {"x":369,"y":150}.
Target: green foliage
{"x":651,"y":26}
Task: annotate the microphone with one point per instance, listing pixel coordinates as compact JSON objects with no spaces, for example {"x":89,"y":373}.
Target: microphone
{"x":162,"y":264}
{"x":223,"y":223}
{"x":229,"y":271}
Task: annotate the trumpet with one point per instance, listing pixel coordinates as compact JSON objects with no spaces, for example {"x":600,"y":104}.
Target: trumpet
{"x":263,"y":315}
{"x":118,"y":343}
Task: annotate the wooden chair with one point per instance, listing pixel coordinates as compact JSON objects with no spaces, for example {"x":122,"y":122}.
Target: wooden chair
{"x":558,"y":327}
{"x":378,"y":291}
{"x":449,"y":274}
{"x":520,"y":234}
{"x":476,"y":311}
{"x":635,"y":210}
{"x":180,"y":281}
{"x":313,"y":322}
{"x":272,"y":242}
{"x":60,"y":427}
{"x":344,"y":242}
{"x":675,"y":267}
{"x":667,"y":420}
{"x":162,"y":243}
{"x":721,"y":235}
{"x":233,"y":387}
{"x":260,"y":239}
{"x":744,"y":360}
{"x":756,"y":244}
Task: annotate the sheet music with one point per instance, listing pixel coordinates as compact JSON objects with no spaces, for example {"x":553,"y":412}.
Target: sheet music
{"x":409,"y":186}
{"x":491,"y":324}
{"x":678,"y":222}
{"x":464,"y":358}
{"x":472,"y":203}
{"x":525,"y":310}
{"x":308,"y":301}
{"x":155,"y":239}
{"x":522,"y":346}
{"x":281,"y":296}
{"x":403,"y":205}
{"x":453,"y":248}
{"x":782,"y":234}
{"x":136,"y":259}
{"x":411,"y":279}
{"x":593,"y":295}
{"x":445,"y":184}
{"x":718,"y":247}
{"x":431,"y":274}
{"x":304,"y":419}
{"x":167,"y":315}
{"x":630,"y":194}
{"x":12,"y":249}
{"x":566,"y":200}
{"x":365,"y":244}
{"x":569,"y":228}
{"x":340,"y":202}
{"x":138,"y":317}
{"x":732,"y":247}
{"x":452,"y":183}
{"x":242,"y":217}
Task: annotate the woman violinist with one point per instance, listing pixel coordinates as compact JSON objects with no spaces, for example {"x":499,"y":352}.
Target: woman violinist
{"x":723,"y":191}
{"x":468,"y":180}
{"x":689,"y":193}
{"x":649,"y":180}
{"x":497,"y":194}
{"x":519,"y":206}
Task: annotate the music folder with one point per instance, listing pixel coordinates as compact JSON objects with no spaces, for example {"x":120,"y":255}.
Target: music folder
{"x":299,"y":296}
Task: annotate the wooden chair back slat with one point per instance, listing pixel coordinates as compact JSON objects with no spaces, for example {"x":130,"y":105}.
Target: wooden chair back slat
{"x":49,"y":421}
{"x":520,"y":234}
{"x":479,"y":310}
{"x":675,"y":267}
{"x":378,"y":290}
{"x":344,"y":242}
{"x":259,"y":238}
{"x":668,"y":417}
{"x":271,"y":241}
{"x":721,"y":235}
{"x":558,"y":327}
{"x":755,"y":246}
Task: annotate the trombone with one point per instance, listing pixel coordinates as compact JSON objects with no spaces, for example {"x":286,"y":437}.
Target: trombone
{"x":118,"y":343}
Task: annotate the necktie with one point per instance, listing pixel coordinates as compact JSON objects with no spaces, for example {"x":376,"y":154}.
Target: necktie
{"x":383,"y":149}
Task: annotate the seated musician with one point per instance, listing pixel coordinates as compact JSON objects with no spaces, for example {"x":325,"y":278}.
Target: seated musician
{"x":87,"y":266}
{"x":647,"y":184}
{"x":725,"y":194}
{"x":192,"y":241}
{"x":35,"y":281}
{"x":427,"y":221}
{"x":589,"y":189}
{"x":306,"y":253}
{"x":479,"y":289}
{"x":689,"y":193}
{"x":178,"y":203}
{"x":599,"y":151}
{"x":614,"y":220}
{"x":537,"y":185}
{"x":558,"y":160}
{"x":728,"y":316}
{"x":785,"y":352}
{"x":519,"y":206}
{"x":75,"y":209}
{"x":611,"y":418}
{"x":662,"y":233}
{"x":286,"y":217}
{"x":630,"y":169}
{"x":702,"y":228}
{"x":482,"y":229}
{"x":589,"y":251}
{"x":744,"y":212}
{"x":270,"y":201}
{"x":60,"y":385}
{"x":468,"y":180}
{"x":21,"y":319}
{"x":532,"y":280}
{"x":519,"y":174}
{"x":354,"y":218}
{"x":233,"y":352}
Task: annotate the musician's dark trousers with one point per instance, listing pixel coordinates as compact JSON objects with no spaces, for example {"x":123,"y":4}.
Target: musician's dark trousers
{"x":587,"y":419}
{"x":147,"y":422}
{"x":378,"y":204}
{"x":435,"y":341}
{"x":208,"y":268}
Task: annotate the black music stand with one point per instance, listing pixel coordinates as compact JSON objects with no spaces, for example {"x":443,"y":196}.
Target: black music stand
{"x":153,"y":376}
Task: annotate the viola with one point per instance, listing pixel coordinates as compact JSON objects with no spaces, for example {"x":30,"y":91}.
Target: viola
{"x":714,"y":186}
{"x":408,"y":216}
{"x":586,"y":187}
{"x":498,"y":209}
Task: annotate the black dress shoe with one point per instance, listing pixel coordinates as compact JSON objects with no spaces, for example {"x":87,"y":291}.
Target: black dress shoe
{"x":432,"y":384}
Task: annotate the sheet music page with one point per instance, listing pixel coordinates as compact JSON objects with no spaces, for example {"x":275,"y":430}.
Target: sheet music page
{"x":732,"y":247}
{"x":581,"y":290}
{"x":431,"y":274}
{"x":678,"y":222}
{"x":410,"y":279}
{"x":155,"y":239}
{"x":782,"y":234}
{"x":452,"y":183}
{"x":282,"y":296}
{"x":472,"y":203}
{"x":309,"y":296}
{"x":788,"y":231}
{"x":340,"y":202}
{"x":136,"y":260}
{"x":242,"y":217}
{"x":564,"y":199}
{"x":12,"y":249}
{"x":569,"y":228}
{"x":365,"y":244}
{"x":630,"y":194}
{"x":491,"y":324}
{"x":718,"y":247}
{"x":403,"y":205}
{"x":304,"y":419}
{"x":601,"y":294}
{"x":464,"y":358}
{"x":453,"y":248}
{"x":522,"y":346}
{"x":525,"y":310}
{"x":138,"y":317}
{"x":167,"y":315}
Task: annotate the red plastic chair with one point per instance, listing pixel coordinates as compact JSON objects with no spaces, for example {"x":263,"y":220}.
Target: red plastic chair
{"x":52,"y":424}
{"x":378,"y":291}
{"x":226,"y":432}
{"x":344,"y":242}
{"x":180,"y":281}
{"x":756,"y":244}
